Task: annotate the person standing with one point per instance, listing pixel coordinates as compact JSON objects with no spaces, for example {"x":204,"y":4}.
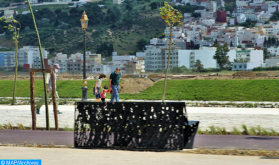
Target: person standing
{"x":114,"y":84}
{"x":98,"y":87}
{"x":56,"y":68}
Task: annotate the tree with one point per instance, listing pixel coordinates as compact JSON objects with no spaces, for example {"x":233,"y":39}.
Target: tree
{"x":56,"y":23}
{"x":221,"y":55}
{"x":192,"y":45}
{"x":13,"y":26}
{"x":231,"y":44}
{"x":44,"y":22}
{"x":42,"y":64}
{"x":129,"y":6}
{"x":275,"y":16}
{"x":265,"y":53}
{"x":215,"y":42}
{"x":239,"y":46}
{"x":153,"y":5}
{"x":265,"y":42}
{"x":141,"y":44}
{"x":196,"y":15}
{"x":249,"y":45}
{"x":199,"y":65}
{"x":171,"y":17}
{"x":273,"y":41}
{"x":197,"y":46}
{"x":58,"y":11}
{"x":269,"y":42}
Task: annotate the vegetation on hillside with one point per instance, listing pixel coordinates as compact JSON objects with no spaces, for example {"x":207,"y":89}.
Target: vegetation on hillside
{"x":119,"y":27}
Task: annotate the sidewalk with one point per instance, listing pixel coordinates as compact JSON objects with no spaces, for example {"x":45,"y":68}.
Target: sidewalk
{"x":186,"y":101}
{"x":58,"y":156}
{"x":218,"y":116}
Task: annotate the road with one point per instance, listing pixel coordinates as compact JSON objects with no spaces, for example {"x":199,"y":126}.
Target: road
{"x":201,"y":141}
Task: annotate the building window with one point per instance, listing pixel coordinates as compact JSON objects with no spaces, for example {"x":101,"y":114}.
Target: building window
{"x":245,"y":66}
{"x":234,"y":66}
{"x":240,"y":66}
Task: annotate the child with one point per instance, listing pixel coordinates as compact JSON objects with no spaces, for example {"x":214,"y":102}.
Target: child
{"x":104,"y":93}
{"x":98,"y":85}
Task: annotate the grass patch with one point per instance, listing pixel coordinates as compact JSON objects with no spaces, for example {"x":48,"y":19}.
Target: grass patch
{"x":255,"y":131}
{"x":221,"y":90}
{"x":235,"y":131}
{"x":264,"y":153}
{"x":20,"y":126}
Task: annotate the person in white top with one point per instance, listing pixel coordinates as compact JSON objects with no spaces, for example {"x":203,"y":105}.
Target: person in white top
{"x":98,"y":87}
{"x":56,"y":68}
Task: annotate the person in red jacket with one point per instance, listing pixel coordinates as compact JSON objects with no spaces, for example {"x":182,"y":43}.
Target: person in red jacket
{"x":103,"y":93}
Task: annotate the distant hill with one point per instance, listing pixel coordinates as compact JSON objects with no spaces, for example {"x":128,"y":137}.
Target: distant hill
{"x":119,"y":25}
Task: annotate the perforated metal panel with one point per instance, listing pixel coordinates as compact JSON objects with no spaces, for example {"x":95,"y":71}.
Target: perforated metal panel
{"x":133,"y":125}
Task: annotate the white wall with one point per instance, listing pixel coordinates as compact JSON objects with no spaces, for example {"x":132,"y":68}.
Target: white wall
{"x":272,"y":62}
{"x":123,"y":58}
{"x":205,"y":55}
{"x":184,"y":58}
{"x":256,"y":56}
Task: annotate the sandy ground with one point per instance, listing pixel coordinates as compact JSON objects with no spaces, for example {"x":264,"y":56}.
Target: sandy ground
{"x":69,"y":156}
{"x":135,"y":85}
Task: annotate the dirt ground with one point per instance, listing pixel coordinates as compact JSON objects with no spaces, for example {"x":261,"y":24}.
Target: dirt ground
{"x":135,"y":85}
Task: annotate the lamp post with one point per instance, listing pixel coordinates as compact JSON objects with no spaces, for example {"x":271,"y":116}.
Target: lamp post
{"x":84,"y":23}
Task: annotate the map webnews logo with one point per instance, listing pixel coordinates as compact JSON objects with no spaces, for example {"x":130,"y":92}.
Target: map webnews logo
{"x":20,"y":162}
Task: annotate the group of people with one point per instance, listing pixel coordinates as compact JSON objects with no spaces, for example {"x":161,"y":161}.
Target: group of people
{"x":100,"y":93}
{"x":113,"y":88}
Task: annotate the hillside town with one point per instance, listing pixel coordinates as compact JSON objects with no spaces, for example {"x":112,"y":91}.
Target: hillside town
{"x":249,"y":32}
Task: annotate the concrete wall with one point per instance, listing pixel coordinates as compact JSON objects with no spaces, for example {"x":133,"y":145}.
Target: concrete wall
{"x":256,"y":56}
{"x":272,"y":62}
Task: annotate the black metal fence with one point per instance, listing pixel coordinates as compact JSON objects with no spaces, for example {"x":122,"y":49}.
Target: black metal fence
{"x":133,"y":125}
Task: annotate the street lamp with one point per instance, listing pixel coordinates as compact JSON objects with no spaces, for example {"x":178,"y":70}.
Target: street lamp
{"x":84,"y":23}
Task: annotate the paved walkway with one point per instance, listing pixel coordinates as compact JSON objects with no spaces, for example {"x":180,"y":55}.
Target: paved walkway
{"x":58,"y":156}
{"x":218,"y":116}
{"x":201,"y":141}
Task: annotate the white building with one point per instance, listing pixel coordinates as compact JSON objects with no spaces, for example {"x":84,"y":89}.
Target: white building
{"x":273,"y":51}
{"x":248,"y":59}
{"x":273,"y":61}
{"x":207,"y":14}
{"x":122,"y":59}
{"x":242,"y":2}
{"x":263,"y":17}
{"x":207,"y":21}
{"x":100,"y":68}
{"x":258,"y":1}
{"x":241,"y":18}
{"x":8,"y":13}
{"x":34,"y":1}
{"x":176,"y":32}
{"x":211,"y":6}
{"x":61,"y":59}
{"x":220,"y":3}
{"x":205,"y":55}
{"x":232,"y":21}
{"x":118,"y":1}
{"x":156,"y":58}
